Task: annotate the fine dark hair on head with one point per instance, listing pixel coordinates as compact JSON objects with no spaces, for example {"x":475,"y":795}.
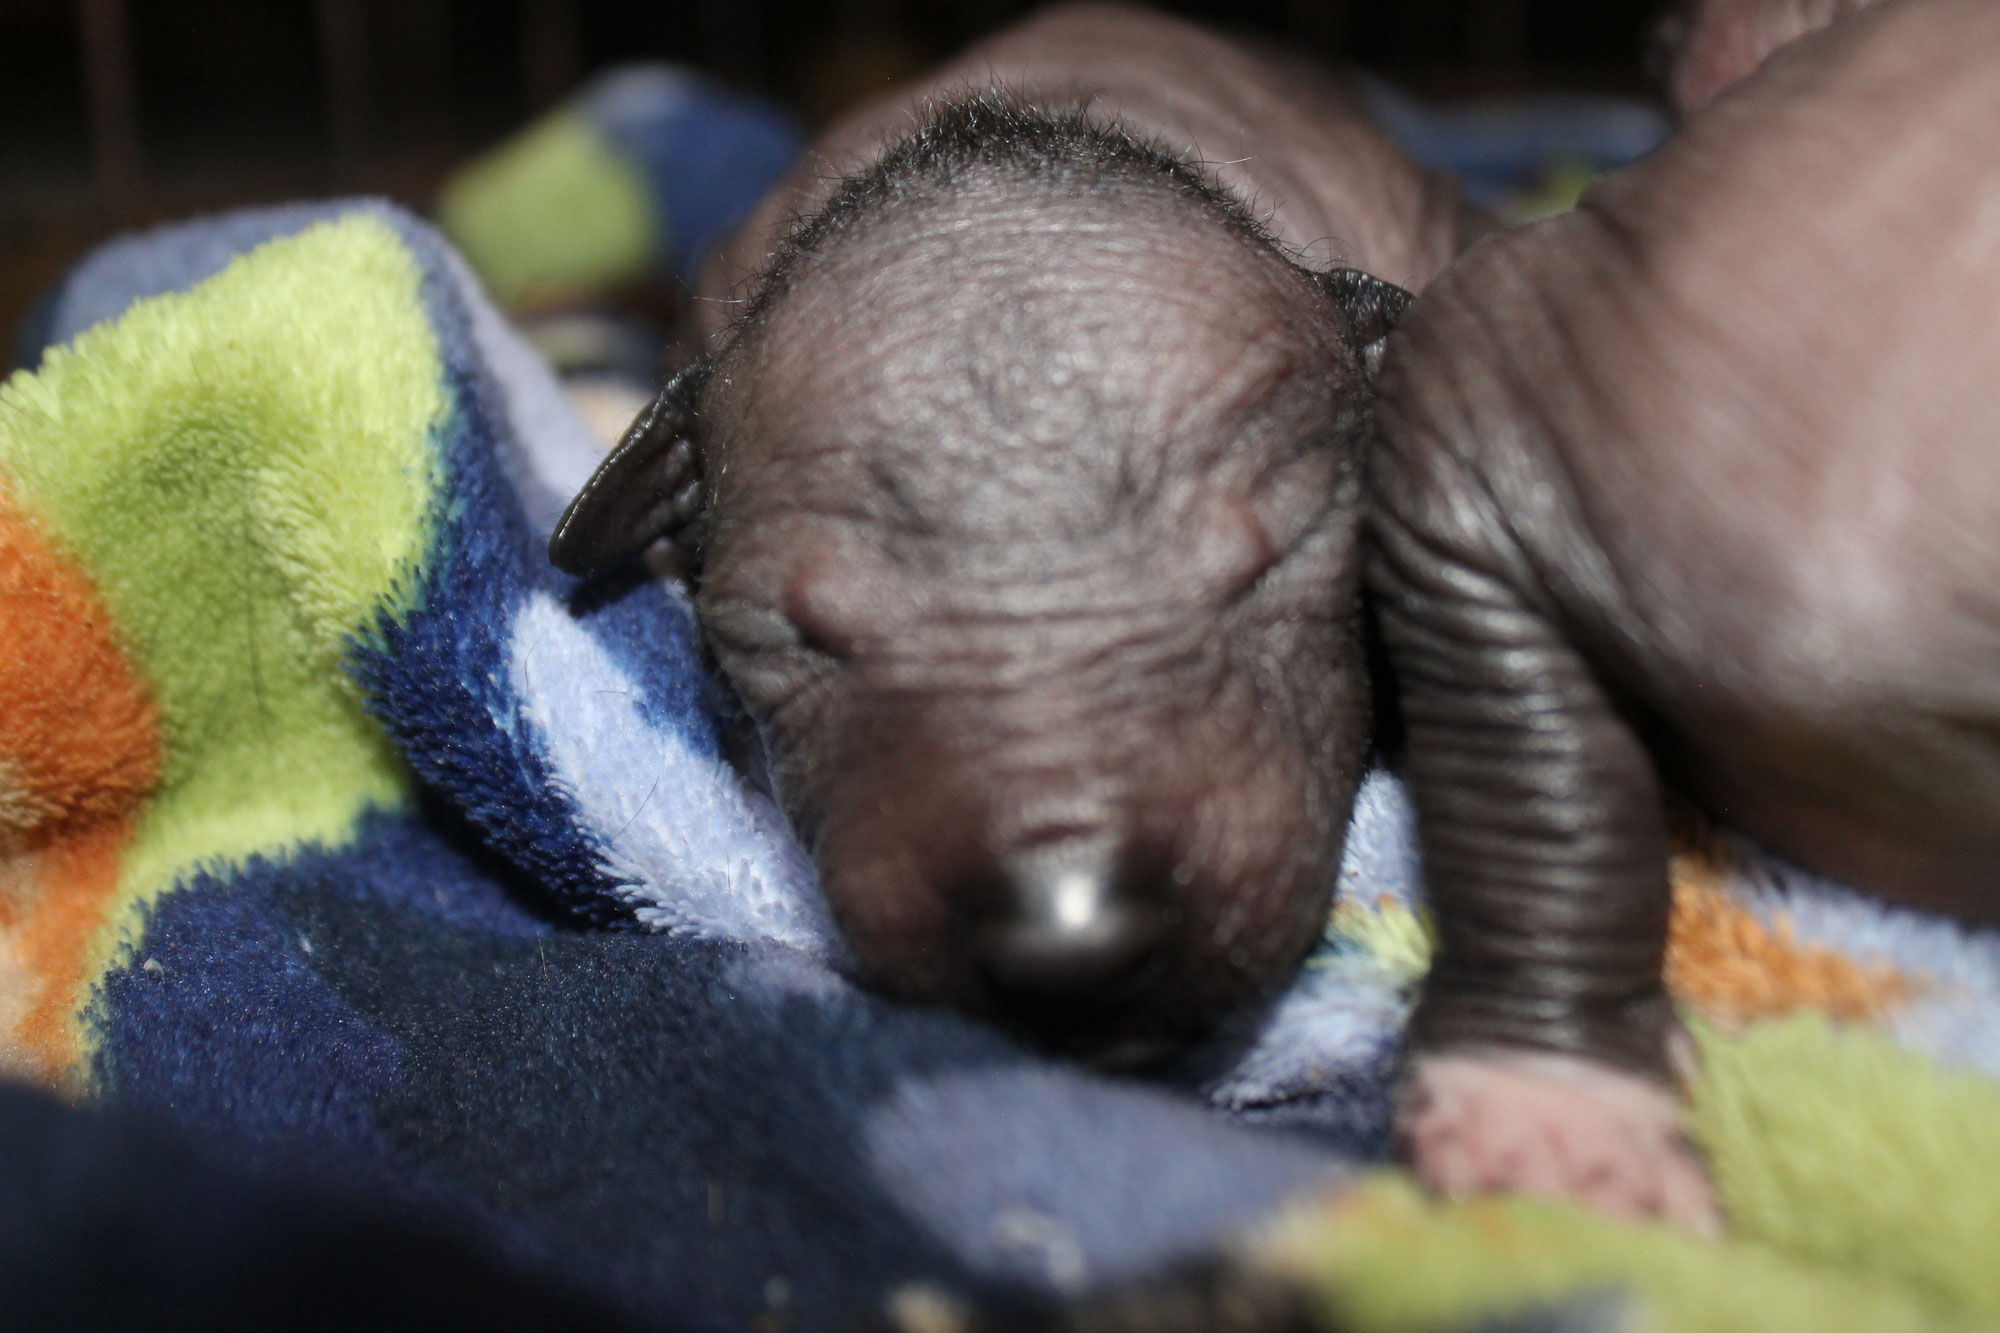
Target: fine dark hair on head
{"x":981,"y":134}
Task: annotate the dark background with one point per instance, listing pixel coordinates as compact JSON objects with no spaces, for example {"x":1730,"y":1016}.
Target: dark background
{"x":117,"y":113}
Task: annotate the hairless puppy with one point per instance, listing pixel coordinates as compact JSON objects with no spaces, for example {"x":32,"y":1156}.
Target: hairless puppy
{"x":1023,"y":489}
{"x":1710,"y":44}
{"x":1699,"y":484}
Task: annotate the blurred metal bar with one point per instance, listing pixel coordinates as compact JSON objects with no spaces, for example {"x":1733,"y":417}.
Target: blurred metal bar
{"x":551,"y":49}
{"x":343,"y":51}
{"x":864,"y":15}
{"x":1496,"y":34}
{"x":112,"y":92}
{"x":420,"y":69}
{"x":979,"y":17}
{"x":1416,"y":25}
{"x":1322,"y":25}
{"x":732,"y":42}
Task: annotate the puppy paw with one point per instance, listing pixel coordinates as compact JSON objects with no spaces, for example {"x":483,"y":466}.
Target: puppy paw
{"x":1536,"y":1123}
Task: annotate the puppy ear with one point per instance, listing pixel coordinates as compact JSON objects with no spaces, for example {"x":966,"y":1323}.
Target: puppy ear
{"x":1372,"y":307}
{"x":650,"y":487}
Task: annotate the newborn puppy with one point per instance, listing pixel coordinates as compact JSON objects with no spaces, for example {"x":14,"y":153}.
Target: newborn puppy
{"x":1698,"y":484}
{"x":1022,"y":484}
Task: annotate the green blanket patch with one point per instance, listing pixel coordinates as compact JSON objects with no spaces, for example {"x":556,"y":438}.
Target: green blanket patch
{"x":1838,"y":1146}
{"x":246,"y":470}
{"x":551,"y":215}
{"x":1857,"y":1177}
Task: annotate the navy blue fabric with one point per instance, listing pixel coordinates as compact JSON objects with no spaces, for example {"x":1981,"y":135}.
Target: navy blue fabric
{"x":699,"y":1132}
{"x":437,"y":678}
{"x":393,"y":1021}
{"x":111,"y":1222}
{"x":707,"y":154}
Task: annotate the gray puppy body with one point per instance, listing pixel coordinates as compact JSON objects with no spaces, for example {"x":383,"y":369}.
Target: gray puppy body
{"x":1022,"y":476}
{"x":1696,"y":484}
{"x":1709,"y":44}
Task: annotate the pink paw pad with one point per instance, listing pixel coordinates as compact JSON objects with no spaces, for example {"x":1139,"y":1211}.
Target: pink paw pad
{"x":1536,"y":1123}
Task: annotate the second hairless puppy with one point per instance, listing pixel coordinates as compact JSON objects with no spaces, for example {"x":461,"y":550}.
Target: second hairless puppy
{"x":1023,"y":486}
{"x":1697,"y":484}
{"x":1710,"y":44}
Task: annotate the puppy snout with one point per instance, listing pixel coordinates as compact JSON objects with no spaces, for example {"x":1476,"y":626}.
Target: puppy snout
{"x":1067,"y":922}
{"x":1071,"y":941}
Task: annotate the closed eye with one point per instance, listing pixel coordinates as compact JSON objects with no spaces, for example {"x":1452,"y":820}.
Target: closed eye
{"x":742,"y":627}
{"x":1298,"y":506}
{"x":771,"y":665}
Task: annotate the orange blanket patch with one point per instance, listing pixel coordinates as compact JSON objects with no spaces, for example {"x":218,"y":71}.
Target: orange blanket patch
{"x":1734,"y":968}
{"x":79,"y":753}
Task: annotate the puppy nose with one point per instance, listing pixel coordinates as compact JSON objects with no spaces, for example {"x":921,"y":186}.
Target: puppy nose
{"x":1068,"y":922}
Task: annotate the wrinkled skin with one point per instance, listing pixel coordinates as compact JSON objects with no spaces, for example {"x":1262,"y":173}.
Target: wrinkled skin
{"x":1697,"y":485}
{"x":1285,"y":139}
{"x":1027,"y":519}
{"x":1707,"y":45}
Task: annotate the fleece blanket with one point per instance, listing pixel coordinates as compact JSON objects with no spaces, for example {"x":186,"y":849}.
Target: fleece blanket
{"x":340,"y":832}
